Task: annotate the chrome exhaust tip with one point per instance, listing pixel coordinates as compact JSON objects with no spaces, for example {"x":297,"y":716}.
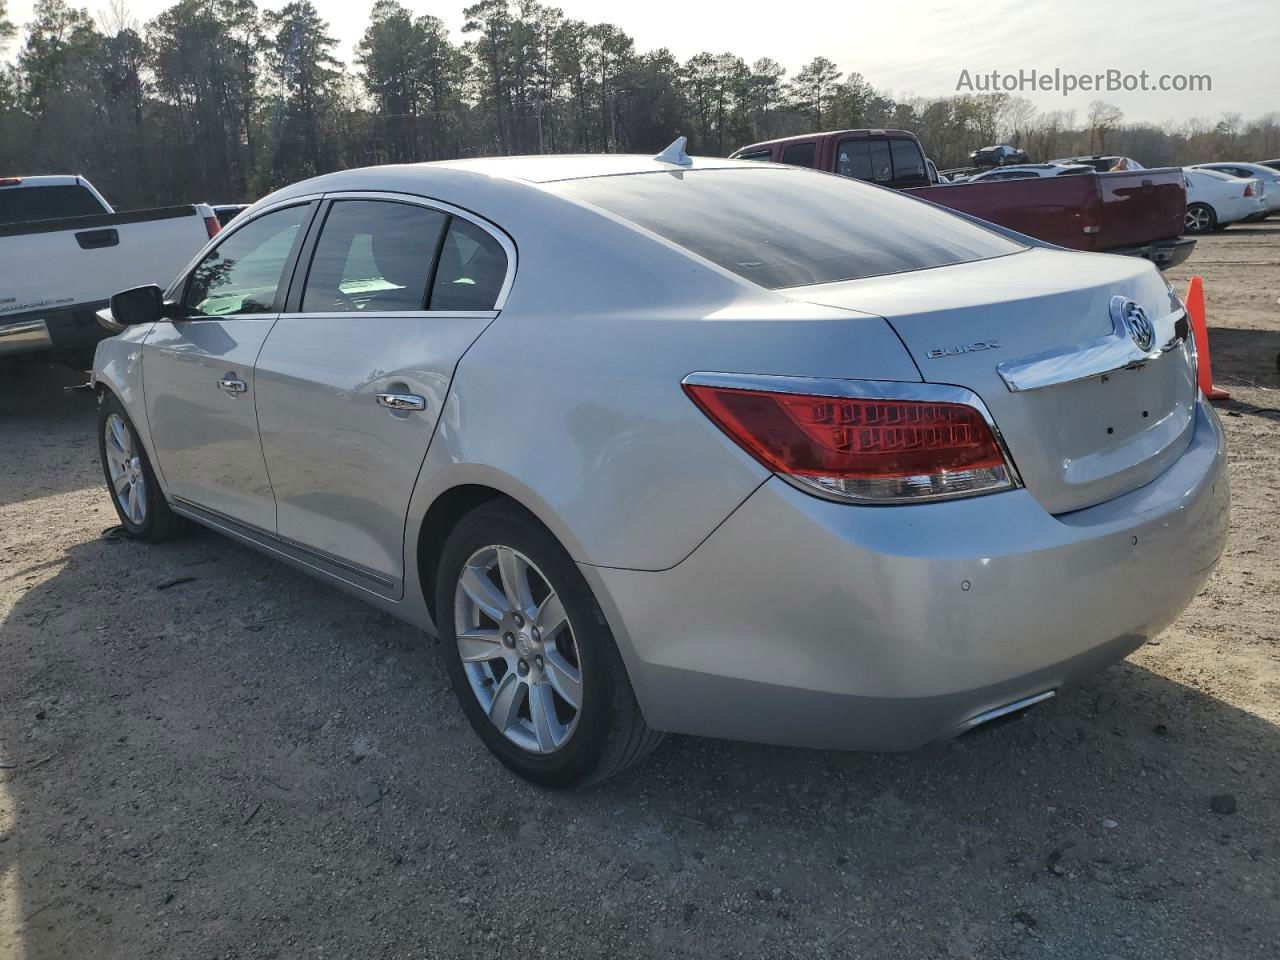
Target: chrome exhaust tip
{"x":1007,"y":712}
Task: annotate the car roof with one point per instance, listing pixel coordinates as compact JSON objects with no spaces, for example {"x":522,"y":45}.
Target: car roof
{"x":547,"y":168}
{"x":45,"y":180}
{"x":864,"y":133}
{"x":494,"y":186}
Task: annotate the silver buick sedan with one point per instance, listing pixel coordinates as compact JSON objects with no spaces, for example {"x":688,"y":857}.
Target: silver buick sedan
{"x":659,"y":444}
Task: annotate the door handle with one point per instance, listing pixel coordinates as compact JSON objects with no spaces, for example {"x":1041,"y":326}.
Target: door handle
{"x":401,"y":401}
{"x":230,"y":384}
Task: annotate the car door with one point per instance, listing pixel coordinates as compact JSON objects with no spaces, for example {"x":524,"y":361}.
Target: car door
{"x":197,"y":371}
{"x":388,"y":295}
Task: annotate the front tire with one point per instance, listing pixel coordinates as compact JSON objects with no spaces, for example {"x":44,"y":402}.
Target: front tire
{"x":131,"y":483}
{"x":530,"y":655}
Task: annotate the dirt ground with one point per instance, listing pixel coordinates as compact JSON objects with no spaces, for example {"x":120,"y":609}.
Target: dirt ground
{"x":248,"y":764}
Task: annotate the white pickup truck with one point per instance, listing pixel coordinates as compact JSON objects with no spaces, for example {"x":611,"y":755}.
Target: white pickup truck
{"x":64,"y":252}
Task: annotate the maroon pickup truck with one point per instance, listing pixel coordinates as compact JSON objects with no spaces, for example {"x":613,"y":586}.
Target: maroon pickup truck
{"x":1138,"y":212}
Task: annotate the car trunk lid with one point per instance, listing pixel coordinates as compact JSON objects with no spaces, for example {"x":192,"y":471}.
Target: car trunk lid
{"x":1086,"y":412}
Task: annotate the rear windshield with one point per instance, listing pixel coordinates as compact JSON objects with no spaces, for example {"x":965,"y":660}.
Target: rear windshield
{"x":20,"y":204}
{"x":790,"y":228}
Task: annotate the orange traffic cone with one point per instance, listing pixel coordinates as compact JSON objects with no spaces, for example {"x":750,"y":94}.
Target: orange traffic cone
{"x":1195,"y":307}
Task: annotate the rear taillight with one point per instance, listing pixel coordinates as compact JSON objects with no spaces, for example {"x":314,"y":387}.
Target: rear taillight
{"x":212,"y":225}
{"x":1248,"y":189}
{"x":10,"y":181}
{"x":866,"y":449}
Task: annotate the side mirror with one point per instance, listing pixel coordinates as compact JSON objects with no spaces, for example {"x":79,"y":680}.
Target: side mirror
{"x":137,"y":306}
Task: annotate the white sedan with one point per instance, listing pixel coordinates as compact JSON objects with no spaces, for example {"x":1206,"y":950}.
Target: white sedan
{"x":1216,"y":200}
{"x":1252,"y":171}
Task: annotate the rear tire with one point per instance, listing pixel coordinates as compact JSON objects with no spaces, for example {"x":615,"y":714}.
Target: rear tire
{"x":131,"y":483}
{"x":520,"y":657}
{"x":1200,"y":218}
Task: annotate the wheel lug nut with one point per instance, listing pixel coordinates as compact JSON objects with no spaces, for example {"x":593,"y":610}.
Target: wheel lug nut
{"x":537,"y":637}
{"x":508,"y":640}
{"x":517,"y":620}
{"x":538,"y":661}
{"x":523,"y":668}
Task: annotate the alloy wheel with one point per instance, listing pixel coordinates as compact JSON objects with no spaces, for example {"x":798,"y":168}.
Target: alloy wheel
{"x":124,"y":466}
{"x":518,"y":649}
{"x":1197,"y":219}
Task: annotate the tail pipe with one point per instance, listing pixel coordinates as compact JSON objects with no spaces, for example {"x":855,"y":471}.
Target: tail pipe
{"x":994,"y":716}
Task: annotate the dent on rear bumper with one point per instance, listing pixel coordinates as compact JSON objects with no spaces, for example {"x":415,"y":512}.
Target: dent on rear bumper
{"x":806,"y":622}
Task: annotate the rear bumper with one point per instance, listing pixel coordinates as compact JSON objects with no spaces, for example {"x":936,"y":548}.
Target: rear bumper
{"x":1163,"y":253}
{"x":24,"y":336}
{"x":69,"y":331}
{"x":811,"y":623}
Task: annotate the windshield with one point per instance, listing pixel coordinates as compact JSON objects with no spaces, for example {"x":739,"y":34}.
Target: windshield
{"x":789,"y":228}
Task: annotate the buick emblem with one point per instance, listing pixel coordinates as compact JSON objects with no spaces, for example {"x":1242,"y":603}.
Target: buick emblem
{"x":1136,"y":322}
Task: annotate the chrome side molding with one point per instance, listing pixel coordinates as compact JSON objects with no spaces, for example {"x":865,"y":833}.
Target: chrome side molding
{"x":1133,"y":341}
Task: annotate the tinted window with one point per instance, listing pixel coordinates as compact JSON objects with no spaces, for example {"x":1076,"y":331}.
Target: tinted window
{"x":373,"y":255}
{"x":20,"y":204}
{"x":800,"y":154}
{"x":471,"y":269}
{"x":908,"y":161}
{"x":779,"y":228}
{"x":242,"y":274}
{"x":853,"y":159}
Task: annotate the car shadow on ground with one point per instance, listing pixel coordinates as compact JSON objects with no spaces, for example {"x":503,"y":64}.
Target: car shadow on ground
{"x":246,"y":762}
{"x":37,"y":409}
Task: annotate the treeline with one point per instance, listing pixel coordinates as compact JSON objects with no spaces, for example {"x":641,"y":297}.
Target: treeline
{"x":222,"y":100}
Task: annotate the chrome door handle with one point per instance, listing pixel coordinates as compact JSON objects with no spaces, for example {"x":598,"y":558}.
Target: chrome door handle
{"x":401,"y":401}
{"x":231,"y":385}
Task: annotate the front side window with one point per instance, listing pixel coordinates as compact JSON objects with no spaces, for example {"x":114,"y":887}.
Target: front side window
{"x":373,"y":255}
{"x":779,"y":228}
{"x":800,"y":154}
{"x":242,"y":274}
{"x":471,"y":269}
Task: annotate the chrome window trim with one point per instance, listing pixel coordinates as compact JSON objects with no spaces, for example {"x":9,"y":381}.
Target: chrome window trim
{"x":1094,"y":358}
{"x":872,"y":390}
{"x":504,"y":241}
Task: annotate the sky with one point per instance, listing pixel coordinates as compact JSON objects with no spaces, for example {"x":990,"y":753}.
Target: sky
{"x":922,"y":48}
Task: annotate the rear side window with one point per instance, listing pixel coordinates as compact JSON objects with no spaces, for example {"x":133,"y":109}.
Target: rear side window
{"x":20,"y":204}
{"x":784,"y":228}
{"x":908,"y":161}
{"x":800,"y":154}
{"x":882,"y":161}
{"x":471,"y":269}
{"x":242,"y":273}
{"x":373,"y":255}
